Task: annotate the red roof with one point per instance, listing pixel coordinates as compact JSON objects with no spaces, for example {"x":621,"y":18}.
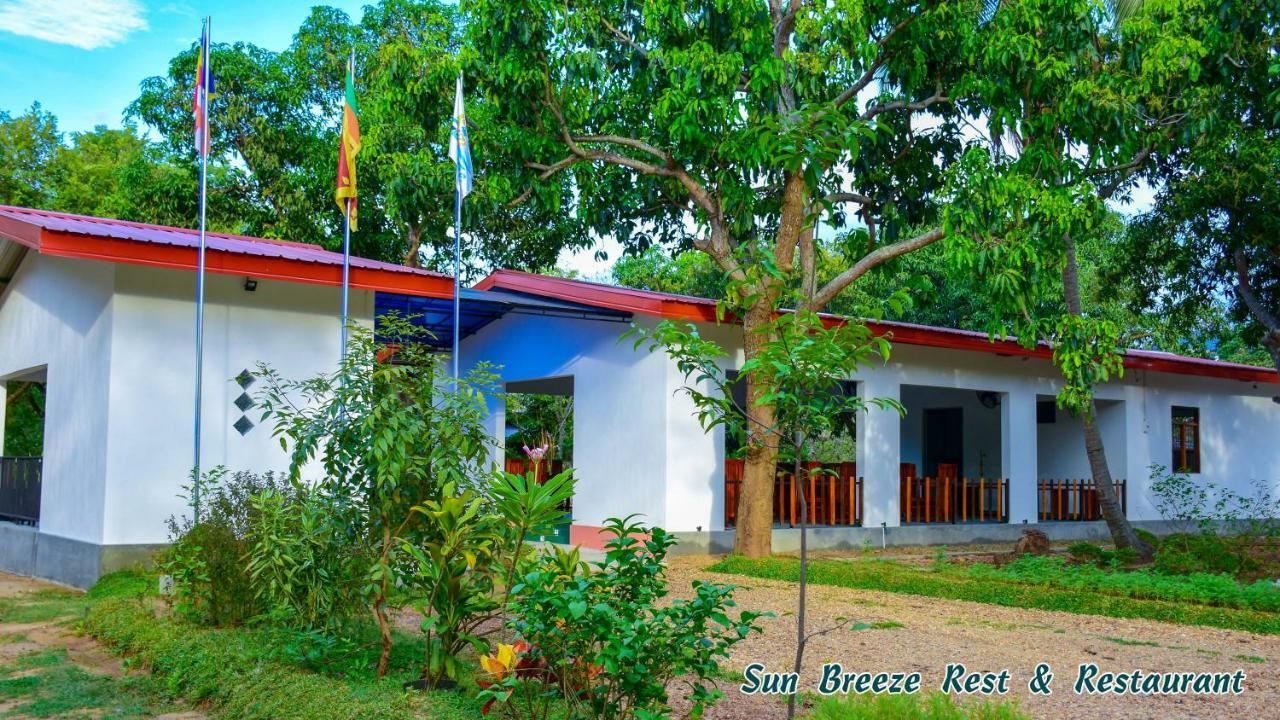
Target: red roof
{"x":685,"y":307}
{"x":79,"y":236}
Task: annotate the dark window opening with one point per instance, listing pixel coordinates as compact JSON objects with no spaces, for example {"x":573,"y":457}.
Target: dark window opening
{"x":1046,"y":412}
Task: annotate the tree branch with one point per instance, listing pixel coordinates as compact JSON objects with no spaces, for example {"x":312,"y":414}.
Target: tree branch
{"x":1244,"y":286}
{"x":870,"y":260}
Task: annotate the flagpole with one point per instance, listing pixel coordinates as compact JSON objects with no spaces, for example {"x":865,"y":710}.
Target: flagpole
{"x":346,"y":273}
{"x":346,"y":239}
{"x":457,"y":262}
{"x":204,"y":188}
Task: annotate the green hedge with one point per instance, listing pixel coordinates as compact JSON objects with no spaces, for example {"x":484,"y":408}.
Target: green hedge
{"x":233,"y":671}
{"x":956,"y":584}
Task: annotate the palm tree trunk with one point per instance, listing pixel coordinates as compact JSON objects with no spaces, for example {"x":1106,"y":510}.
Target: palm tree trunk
{"x":1122,"y":532}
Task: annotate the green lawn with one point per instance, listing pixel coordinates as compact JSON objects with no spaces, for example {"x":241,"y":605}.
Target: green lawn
{"x":235,"y":672}
{"x":985,"y":586}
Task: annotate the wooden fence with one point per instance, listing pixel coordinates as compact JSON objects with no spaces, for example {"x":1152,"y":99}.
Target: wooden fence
{"x":20,"y":480}
{"x":833,"y":492}
{"x":952,"y":499}
{"x":1074,"y":500}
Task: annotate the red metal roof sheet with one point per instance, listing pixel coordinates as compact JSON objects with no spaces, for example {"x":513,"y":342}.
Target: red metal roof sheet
{"x":70,"y":235}
{"x":685,"y":307}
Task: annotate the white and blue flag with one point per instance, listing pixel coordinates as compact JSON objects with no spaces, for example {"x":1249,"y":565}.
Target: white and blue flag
{"x":460,"y":145}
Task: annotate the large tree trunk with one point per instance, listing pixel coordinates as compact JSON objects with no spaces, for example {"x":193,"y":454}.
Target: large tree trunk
{"x":754,"y":537}
{"x":1265,"y":316}
{"x":1122,"y":533}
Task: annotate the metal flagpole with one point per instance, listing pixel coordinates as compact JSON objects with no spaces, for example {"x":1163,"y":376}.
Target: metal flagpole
{"x":346,"y":234}
{"x":206,"y":71}
{"x":457,"y":261}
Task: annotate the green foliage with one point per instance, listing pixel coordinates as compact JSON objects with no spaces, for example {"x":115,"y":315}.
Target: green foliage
{"x":1207,"y":507}
{"x":1203,"y":552}
{"x":1123,"y":597}
{"x":390,"y":434}
{"x":470,"y":556}
{"x":236,"y":671}
{"x":534,"y":420}
{"x":29,"y":144}
{"x":608,"y":641}
{"x":931,"y":706}
{"x":208,"y":559}
{"x":24,"y":420}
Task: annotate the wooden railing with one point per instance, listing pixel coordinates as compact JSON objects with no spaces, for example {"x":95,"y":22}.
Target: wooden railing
{"x":20,"y":480}
{"x":545,"y":468}
{"x":833,"y":492}
{"x":951,"y":499}
{"x":1074,"y":500}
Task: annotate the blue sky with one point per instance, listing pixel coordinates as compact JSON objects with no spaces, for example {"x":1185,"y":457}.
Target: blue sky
{"x":83,"y":59}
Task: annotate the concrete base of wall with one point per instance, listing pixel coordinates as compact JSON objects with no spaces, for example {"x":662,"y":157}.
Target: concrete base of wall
{"x":27,"y":551}
{"x":787,"y":540}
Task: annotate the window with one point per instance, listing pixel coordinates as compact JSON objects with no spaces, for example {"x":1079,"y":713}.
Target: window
{"x":1046,"y":412}
{"x":1186,"y":439}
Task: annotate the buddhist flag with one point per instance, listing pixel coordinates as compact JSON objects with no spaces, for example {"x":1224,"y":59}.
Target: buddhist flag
{"x":349,"y":146}
{"x":460,"y":145}
{"x":204,"y":87}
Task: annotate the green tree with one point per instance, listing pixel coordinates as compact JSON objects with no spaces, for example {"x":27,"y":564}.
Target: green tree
{"x":28,"y":145}
{"x":728,"y":127}
{"x":1067,"y":134}
{"x":1214,"y":230}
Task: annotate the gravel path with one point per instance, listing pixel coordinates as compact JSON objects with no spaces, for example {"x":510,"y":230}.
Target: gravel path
{"x":936,"y":632}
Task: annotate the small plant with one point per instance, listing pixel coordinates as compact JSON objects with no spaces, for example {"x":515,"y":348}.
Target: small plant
{"x":208,"y":558}
{"x":610,"y":643}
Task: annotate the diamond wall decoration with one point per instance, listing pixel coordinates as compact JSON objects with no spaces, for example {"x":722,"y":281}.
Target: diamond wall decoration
{"x":243,"y":425}
{"x":245,"y":379}
{"x":244,"y":402}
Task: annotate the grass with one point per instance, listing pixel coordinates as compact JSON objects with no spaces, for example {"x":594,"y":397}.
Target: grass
{"x":1127,"y":641}
{"x":931,"y":706}
{"x":46,"y":684}
{"x":247,"y":673}
{"x":957,"y":583}
{"x":1250,"y":658}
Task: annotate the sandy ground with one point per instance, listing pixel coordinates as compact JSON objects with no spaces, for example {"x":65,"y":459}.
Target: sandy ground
{"x":984,"y":637}
{"x":37,"y":636}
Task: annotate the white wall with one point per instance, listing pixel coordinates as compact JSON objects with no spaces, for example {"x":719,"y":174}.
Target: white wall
{"x":620,"y":407}
{"x":58,"y":313}
{"x":980,"y":434}
{"x":291,"y":326}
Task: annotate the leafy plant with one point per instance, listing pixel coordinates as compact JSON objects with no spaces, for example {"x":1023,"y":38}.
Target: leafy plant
{"x":389,"y":433}
{"x":208,"y":558}
{"x":610,"y":642}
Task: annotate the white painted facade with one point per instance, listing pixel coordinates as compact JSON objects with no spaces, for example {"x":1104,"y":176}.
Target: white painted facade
{"x":115,"y":343}
{"x":639,"y":449}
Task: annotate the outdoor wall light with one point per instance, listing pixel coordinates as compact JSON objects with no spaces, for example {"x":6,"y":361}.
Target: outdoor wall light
{"x":250,"y":285}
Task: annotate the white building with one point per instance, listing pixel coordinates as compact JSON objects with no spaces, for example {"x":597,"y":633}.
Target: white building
{"x":980,"y":452}
{"x":102,"y":312}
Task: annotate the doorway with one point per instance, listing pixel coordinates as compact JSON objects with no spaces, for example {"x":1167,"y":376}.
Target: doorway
{"x":943,"y":441}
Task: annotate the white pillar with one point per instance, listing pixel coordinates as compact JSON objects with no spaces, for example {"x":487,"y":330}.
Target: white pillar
{"x":4,"y":404}
{"x":1138,"y":455}
{"x":880,"y":452}
{"x":1019,"y":459}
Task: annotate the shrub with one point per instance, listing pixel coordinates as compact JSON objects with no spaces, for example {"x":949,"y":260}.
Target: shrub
{"x":1187,"y":553}
{"x":207,"y":559}
{"x":933,"y":706}
{"x":606,"y":641}
{"x":235,"y":671}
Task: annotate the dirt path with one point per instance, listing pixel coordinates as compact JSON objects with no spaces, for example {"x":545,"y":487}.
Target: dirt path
{"x":19,"y":640}
{"x":936,"y":632}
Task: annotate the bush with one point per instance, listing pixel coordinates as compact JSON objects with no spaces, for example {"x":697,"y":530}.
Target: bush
{"x":933,"y":706}
{"x":606,"y":642}
{"x":234,"y":670}
{"x":207,"y":559}
{"x":1203,"y":552}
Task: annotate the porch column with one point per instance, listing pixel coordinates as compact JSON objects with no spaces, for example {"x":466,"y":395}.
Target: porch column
{"x":880,"y":453}
{"x":496,"y":426}
{"x":1138,"y":454}
{"x":1019,"y":459}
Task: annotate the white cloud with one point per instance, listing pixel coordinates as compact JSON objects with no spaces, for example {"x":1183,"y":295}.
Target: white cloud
{"x":86,"y":24}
